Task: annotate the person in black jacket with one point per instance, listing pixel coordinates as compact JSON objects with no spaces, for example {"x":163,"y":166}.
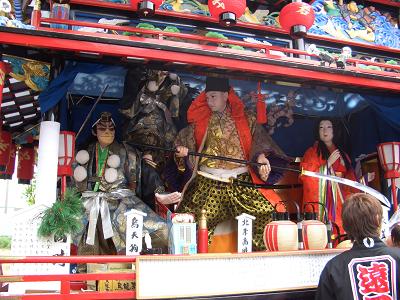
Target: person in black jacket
{"x":370,"y":269}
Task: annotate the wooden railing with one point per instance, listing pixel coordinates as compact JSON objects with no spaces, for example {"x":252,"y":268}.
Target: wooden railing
{"x":197,"y":39}
{"x":261,"y":28}
{"x":66,"y":280}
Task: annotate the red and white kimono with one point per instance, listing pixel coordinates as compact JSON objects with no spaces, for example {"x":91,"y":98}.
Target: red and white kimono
{"x":316,"y":190}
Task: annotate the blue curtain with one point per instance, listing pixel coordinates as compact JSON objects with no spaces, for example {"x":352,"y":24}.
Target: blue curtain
{"x":376,"y":123}
{"x":387,"y":108}
{"x":58,"y":87}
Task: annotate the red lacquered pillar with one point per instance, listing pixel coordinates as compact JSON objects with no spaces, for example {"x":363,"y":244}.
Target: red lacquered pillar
{"x":202,"y":242}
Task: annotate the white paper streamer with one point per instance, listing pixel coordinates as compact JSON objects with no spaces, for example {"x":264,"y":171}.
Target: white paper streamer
{"x":95,"y":203}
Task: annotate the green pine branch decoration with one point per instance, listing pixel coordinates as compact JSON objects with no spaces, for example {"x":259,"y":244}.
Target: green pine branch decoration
{"x":64,"y":217}
{"x":216,"y":35}
{"x":171,"y":29}
{"x":236,"y":47}
{"x":147,"y":26}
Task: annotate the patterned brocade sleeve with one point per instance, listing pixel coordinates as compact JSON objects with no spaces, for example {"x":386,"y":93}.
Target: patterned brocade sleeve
{"x":130,"y":165}
{"x":263,"y":143}
{"x":185,"y":138}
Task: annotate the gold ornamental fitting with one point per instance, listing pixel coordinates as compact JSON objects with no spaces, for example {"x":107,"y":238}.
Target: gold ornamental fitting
{"x":11,"y":279}
{"x":203,"y":220}
{"x":12,"y":258}
{"x":37,"y":5}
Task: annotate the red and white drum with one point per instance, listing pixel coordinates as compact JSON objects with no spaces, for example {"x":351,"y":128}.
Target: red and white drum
{"x":281,"y":236}
{"x":314,"y":235}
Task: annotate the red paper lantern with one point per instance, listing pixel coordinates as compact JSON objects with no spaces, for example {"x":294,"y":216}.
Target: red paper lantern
{"x":66,"y":154}
{"x":8,"y":173}
{"x":297,"y":18}
{"x":5,"y":147}
{"x":227,"y":10}
{"x":26,"y":161}
{"x":389,"y":156}
{"x":146,"y":8}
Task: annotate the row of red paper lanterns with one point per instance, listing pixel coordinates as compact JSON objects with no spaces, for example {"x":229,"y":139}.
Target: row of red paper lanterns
{"x":26,"y":159}
{"x":293,"y":15}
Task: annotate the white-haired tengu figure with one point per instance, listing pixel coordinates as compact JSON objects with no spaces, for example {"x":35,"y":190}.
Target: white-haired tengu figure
{"x":344,"y":55}
{"x":324,"y":56}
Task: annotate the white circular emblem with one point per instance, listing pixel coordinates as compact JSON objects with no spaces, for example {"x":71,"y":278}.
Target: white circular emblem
{"x":368,"y":242}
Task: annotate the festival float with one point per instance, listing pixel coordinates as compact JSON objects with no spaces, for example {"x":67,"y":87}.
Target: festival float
{"x":96,"y":95}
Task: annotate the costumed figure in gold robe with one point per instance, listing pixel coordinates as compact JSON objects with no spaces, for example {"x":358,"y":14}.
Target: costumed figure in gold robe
{"x":219,"y":125}
{"x":107,"y":175}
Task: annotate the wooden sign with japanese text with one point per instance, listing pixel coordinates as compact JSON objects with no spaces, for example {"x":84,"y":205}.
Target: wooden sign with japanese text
{"x":134,"y":231}
{"x":245,"y":233}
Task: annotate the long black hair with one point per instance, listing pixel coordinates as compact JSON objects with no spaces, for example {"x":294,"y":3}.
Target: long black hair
{"x":322,"y":149}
